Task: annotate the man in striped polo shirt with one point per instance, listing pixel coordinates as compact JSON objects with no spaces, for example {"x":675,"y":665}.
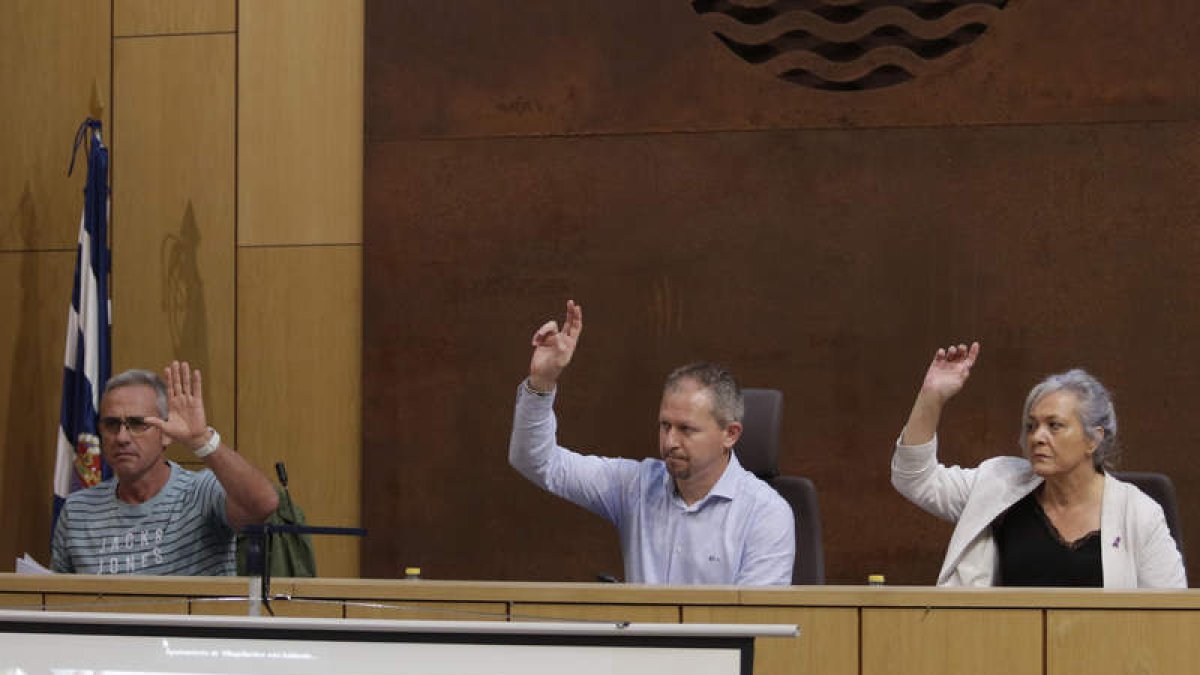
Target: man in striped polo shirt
{"x":153,"y":516}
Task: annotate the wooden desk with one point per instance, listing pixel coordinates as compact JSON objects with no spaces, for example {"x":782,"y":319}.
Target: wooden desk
{"x":845,"y":630}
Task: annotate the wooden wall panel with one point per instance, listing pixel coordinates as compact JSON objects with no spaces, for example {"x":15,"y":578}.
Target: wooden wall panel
{"x":173,"y":210}
{"x":69,"y":40}
{"x":300,"y":122}
{"x":949,"y":641}
{"x":847,"y":257}
{"x":35,"y":293}
{"x":159,"y":17}
{"x":481,"y":68}
{"x":299,"y":346}
{"x":1119,"y":642}
{"x":828,"y":642}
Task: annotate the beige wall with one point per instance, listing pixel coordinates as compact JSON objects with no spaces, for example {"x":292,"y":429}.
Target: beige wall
{"x":54,"y":70}
{"x":235,"y":131}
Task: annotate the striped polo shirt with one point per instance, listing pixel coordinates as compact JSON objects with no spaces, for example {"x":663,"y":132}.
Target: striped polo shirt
{"x":182,"y":530}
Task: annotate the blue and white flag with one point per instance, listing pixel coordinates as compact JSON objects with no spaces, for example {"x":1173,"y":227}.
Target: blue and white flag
{"x":87,"y":361}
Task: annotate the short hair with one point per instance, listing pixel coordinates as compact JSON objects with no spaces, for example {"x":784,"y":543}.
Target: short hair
{"x":148,"y":378}
{"x":1094,"y":409}
{"x":728,"y":406}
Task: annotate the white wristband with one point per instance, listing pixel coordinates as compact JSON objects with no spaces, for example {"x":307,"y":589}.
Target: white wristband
{"x":210,"y":447}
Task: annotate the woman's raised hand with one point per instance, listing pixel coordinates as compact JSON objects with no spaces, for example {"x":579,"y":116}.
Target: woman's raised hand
{"x":949,"y":370}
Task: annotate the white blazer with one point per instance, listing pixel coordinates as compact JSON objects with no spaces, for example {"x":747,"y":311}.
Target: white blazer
{"x":1137,"y":550}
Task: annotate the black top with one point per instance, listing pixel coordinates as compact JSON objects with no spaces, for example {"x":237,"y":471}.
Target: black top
{"x":1032,"y":553}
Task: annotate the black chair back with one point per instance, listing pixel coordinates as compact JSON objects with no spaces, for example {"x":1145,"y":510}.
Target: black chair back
{"x":758,"y":451}
{"x":1162,"y":490}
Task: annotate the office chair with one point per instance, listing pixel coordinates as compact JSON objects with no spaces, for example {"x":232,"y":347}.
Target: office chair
{"x":1162,"y":490}
{"x":758,"y":451}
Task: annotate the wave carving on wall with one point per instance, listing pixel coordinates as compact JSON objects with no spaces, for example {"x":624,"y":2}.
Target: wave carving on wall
{"x":847,"y":45}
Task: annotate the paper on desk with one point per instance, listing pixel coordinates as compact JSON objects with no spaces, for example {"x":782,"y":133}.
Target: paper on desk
{"x":27,"y":565}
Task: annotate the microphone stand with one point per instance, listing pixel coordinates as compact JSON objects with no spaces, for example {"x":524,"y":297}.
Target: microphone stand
{"x":262,"y":533}
{"x":258,"y":554}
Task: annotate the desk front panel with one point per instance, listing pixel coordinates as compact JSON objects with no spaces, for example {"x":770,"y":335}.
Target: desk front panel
{"x":1099,"y":642}
{"x":847,"y":630}
{"x":944,"y":640}
{"x":827,"y":644}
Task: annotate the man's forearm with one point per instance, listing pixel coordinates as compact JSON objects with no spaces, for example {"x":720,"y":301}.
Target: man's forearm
{"x":533,"y":433}
{"x":250,"y":497}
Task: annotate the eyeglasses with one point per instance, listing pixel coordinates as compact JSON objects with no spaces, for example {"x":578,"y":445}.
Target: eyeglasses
{"x":135,"y":425}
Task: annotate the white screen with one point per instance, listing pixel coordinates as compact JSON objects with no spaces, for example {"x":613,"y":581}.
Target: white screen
{"x":110,"y":655}
{"x":48,"y":643}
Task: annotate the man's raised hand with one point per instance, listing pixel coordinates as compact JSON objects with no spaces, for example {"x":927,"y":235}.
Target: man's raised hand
{"x":186,"y":421}
{"x":553,"y":348}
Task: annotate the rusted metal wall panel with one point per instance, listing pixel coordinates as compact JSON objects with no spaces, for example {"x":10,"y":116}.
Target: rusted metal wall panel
{"x":820,"y":242}
{"x":478,"y":67}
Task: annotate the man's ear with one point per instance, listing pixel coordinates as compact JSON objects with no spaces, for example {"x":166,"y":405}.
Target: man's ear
{"x":733,"y":431}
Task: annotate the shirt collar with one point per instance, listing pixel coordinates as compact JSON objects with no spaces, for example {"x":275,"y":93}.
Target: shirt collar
{"x":727,"y":484}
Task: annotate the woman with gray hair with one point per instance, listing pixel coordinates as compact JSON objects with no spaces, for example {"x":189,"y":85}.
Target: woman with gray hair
{"x":1052,"y":518}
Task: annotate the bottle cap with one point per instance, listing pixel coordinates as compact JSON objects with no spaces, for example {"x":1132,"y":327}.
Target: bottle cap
{"x":875,"y":579}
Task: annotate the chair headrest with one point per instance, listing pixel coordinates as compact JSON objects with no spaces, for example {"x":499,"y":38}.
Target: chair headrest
{"x":1156,"y":485}
{"x":758,"y":448}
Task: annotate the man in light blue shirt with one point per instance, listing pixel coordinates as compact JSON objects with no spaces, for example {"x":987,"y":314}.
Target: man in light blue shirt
{"x":695,"y":516}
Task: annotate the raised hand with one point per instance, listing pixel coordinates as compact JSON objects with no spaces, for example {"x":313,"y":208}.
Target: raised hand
{"x":946,"y":376}
{"x":186,"y":421}
{"x":949,"y":370}
{"x":553,"y":348}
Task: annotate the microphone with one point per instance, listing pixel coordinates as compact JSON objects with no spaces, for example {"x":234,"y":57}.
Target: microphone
{"x":281,"y":472}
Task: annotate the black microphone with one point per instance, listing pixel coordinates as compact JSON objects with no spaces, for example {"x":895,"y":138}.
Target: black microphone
{"x":281,"y":471}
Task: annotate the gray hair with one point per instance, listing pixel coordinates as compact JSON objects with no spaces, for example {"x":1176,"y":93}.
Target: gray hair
{"x":1094,"y":409}
{"x":148,"y":378}
{"x":728,"y":406}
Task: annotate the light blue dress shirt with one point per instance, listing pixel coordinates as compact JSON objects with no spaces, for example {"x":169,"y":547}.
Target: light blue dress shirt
{"x":741,"y":533}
